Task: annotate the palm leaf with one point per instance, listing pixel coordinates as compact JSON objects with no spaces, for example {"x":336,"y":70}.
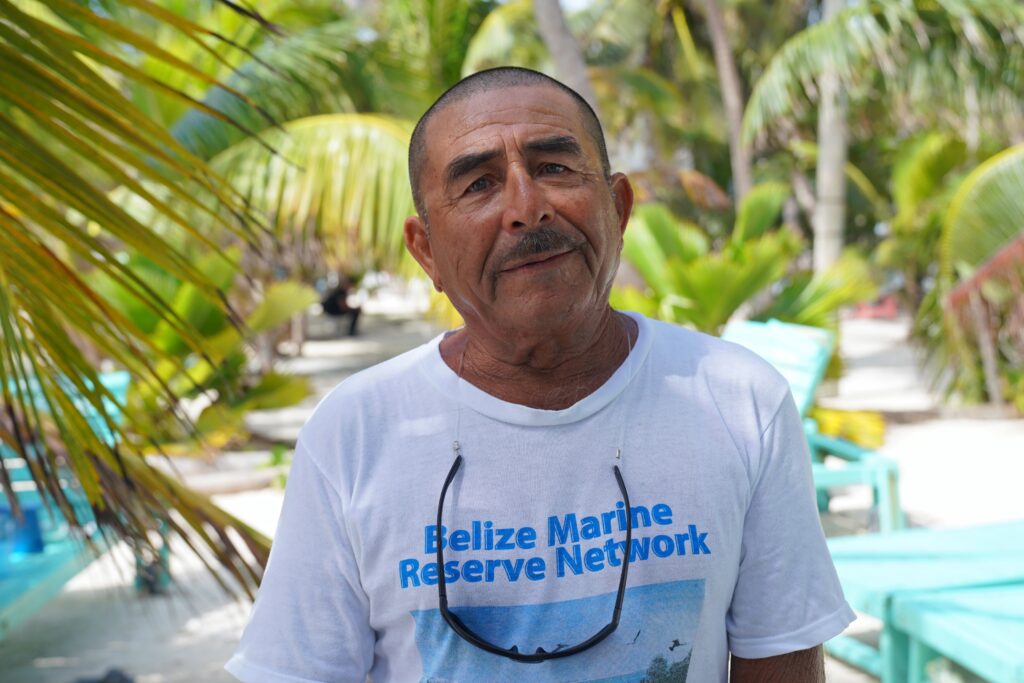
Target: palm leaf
{"x":712,"y":288}
{"x":919,"y":171}
{"x":984,"y":217}
{"x":341,"y":179}
{"x":815,"y":298}
{"x":912,"y":45}
{"x":986,"y":213}
{"x":67,"y":134}
{"x":653,"y":237}
{"x":760,"y":210}
{"x":508,"y":36}
{"x":318,"y":71}
{"x":807,"y":152}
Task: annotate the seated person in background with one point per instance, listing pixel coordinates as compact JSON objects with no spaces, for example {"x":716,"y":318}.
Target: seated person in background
{"x":335,"y":304}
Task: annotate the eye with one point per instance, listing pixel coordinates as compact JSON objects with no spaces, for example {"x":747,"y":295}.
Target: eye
{"x":477,"y":185}
{"x":553,"y":168}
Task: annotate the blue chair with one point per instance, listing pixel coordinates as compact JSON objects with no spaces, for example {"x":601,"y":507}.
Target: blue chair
{"x":980,"y":628}
{"x":801,"y":354}
{"x":958,"y":593}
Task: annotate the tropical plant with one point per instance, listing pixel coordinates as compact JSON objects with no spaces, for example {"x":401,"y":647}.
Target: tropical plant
{"x":219,"y":379}
{"x":690,"y":283}
{"x":925,"y":174}
{"x":928,"y":58}
{"x":971,"y":322}
{"x":67,"y":135}
{"x":944,"y":64}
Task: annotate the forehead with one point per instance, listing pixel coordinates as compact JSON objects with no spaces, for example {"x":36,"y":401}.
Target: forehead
{"x":491,"y":119}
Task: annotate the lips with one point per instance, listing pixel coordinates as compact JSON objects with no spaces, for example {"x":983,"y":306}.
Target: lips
{"x":536,"y":260}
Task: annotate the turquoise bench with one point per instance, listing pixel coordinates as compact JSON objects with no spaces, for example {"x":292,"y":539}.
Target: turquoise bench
{"x":39,"y":554}
{"x":801,"y":354}
{"x":912,"y":568}
{"x":981,"y":629}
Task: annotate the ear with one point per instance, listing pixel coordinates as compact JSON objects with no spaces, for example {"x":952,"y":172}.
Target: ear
{"x":417,"y":241}
{"x":622,"y":195}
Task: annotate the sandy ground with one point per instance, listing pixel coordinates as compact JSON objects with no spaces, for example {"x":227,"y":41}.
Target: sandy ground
{"x":954,"y":471}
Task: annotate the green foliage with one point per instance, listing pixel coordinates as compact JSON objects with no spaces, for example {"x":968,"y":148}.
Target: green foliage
{"x":317,"y":71}
{"x":815,"y":298}
{"x":507,"y":36}
{"x":806,"y":153}
{"x":760,"y":210}
{"x":337,"y":182}
{"x":918,"y":172}
{"x":922,"y":55}
{"x":712,"y":288}
{"x":984,"y":215}
{"x":983,"y":220}
{"x":693,"y":285}
{"x":925,"y":174}
{"x":68,"y":133}
{"x":655,"y":237}
{"x":215,"y":373}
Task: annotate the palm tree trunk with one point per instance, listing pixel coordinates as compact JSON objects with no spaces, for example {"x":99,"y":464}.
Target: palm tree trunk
{"x":564,"y":49}
{"x":830,"y":207}
{"x":732,"y":99}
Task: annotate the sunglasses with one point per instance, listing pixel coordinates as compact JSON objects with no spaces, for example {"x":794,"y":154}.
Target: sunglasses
{"x":540,"y":654}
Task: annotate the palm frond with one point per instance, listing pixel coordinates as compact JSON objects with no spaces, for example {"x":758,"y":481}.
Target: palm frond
{"x":67,"y":135}
{"x":985,"y":214}
{"x":815,"y":298}
{"x":760,"y":210}
{"x":983,"y":220}
{"x":912,"y":44}
{"x":318,"y":71}
{"x":507,"y":36}
{"x":341,"y":179}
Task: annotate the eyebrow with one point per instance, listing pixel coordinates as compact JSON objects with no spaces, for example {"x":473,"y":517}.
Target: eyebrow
{"x":465,"y":164}
{"x":565,"y":144}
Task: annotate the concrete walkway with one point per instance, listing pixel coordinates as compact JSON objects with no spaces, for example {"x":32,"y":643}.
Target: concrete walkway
{"x":954,"y":471}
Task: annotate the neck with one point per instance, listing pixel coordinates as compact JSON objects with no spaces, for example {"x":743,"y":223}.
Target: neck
{"x":549,"y":370}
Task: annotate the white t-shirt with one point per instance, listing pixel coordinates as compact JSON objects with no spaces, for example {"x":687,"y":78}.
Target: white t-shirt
{"x":727,"y":553}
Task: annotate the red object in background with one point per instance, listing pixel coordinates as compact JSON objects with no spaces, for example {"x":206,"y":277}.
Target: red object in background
{"x":885,"y":308}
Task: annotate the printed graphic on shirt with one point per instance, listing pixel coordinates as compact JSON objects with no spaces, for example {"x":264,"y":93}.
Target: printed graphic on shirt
{"x":653,"y":643}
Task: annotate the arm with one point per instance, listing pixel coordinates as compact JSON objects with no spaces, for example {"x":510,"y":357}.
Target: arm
{"x":311,"y":618}
{"x":804,"y":666}
{"x":787,"y":597}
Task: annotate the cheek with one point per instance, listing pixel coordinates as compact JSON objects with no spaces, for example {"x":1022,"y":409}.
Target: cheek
{"x":464,"y":265}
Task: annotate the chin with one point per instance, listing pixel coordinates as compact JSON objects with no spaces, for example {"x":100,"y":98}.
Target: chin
{"x":548,"y":314}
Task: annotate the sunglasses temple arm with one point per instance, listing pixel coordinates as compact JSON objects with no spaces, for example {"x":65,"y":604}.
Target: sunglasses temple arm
{"x":442,"y":587}
{"x":629,"y":548}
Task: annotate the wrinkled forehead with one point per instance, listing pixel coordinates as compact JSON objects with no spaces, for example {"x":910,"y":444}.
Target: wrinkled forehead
{"x":485,"y":120}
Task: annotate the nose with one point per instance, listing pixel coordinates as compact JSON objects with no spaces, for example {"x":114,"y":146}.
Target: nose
{"x":526,"y":202}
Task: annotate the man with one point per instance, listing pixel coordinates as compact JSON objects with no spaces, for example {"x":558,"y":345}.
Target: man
{"x":502,"y":468}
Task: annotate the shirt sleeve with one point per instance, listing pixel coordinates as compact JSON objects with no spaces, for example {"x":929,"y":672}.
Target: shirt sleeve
{"x":310,"y":621}
{"x":787,"y":595}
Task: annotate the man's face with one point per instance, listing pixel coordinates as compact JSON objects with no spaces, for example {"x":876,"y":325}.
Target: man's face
{"x":524,"y":229}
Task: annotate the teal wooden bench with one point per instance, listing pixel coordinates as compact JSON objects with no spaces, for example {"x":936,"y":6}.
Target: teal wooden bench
{"x":801,"y":354}
{"x":980,"y":628}
{"x":39,"y":554}
{"x":926,"y":574}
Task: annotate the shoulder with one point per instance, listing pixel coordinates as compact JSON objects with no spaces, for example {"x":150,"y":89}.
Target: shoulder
{"x":729,"y":371}
{"x":370,"y":397}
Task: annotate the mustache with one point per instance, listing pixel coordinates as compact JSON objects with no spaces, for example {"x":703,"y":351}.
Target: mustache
{"x":535,"y":242}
